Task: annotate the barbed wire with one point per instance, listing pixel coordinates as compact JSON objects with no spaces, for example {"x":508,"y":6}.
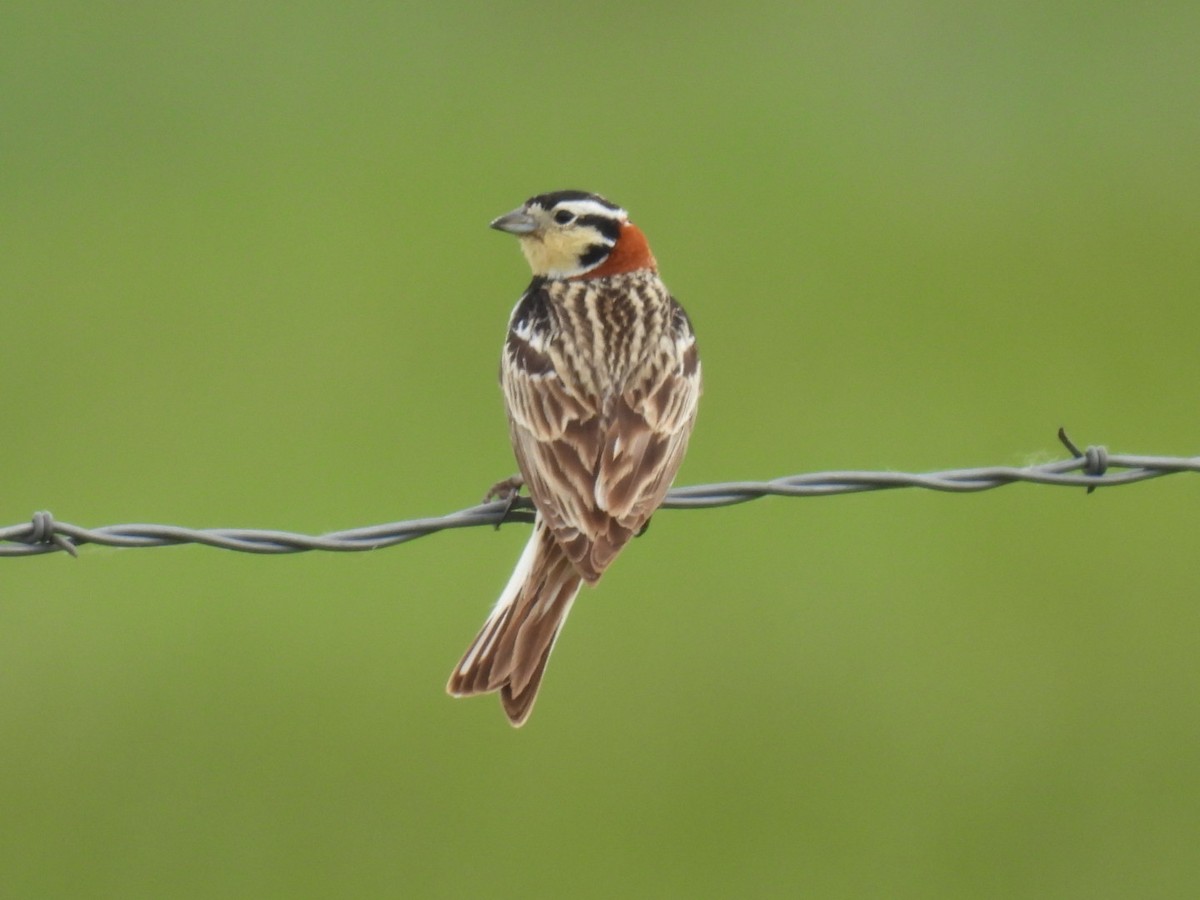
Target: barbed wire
{"x":1088,"y":469}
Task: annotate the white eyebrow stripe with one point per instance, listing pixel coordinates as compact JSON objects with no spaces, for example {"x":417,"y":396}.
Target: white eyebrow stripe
{"x":592,"y":208}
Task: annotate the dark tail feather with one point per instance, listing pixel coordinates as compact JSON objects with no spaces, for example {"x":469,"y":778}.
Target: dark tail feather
{"x":510,"y":652}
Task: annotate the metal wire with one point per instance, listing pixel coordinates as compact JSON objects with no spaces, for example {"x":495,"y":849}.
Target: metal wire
{"x":1088,"y":468}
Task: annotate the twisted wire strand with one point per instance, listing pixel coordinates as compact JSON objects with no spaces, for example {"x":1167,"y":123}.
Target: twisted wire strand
{"x":1088,"y":469}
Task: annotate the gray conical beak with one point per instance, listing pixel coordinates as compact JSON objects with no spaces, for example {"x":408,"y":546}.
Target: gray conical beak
{"x":516,"y":222}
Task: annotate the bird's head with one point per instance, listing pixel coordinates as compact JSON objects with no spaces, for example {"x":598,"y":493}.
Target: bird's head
{"x":574,"y":234}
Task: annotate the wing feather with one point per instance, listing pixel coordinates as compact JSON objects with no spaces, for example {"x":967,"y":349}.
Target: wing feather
{"x":599,"y":463}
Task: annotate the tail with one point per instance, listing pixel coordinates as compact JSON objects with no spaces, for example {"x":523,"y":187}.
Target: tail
{"x":509,"y":654}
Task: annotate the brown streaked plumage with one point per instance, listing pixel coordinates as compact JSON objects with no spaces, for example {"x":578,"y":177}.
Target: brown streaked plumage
{"x":601,"y":380}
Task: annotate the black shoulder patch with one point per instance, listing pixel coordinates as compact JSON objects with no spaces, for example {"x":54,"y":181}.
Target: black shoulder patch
{"x":532,"y":316}
{"x":680,"y":323}
{"x":681,"y":330}
{"x":533,"y":309}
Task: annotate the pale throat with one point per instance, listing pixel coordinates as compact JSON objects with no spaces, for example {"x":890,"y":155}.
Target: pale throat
{"x":556,"y":255}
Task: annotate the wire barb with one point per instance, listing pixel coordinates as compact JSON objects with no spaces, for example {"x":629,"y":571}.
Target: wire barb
{"x":43,"y":531}
{"x":1095,"y":459}
{"x":1090,"y":468}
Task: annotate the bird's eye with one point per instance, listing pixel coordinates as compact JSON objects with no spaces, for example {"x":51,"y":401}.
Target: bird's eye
{"x":564,"y":217}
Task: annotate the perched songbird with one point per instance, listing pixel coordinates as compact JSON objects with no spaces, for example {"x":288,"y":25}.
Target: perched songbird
{"x":601,"y":379}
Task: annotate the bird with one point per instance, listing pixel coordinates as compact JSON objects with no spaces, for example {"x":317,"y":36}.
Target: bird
{"x":601,"y":380}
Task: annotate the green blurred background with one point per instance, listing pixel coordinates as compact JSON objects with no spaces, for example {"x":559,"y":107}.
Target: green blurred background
{"x":247,"y":281}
